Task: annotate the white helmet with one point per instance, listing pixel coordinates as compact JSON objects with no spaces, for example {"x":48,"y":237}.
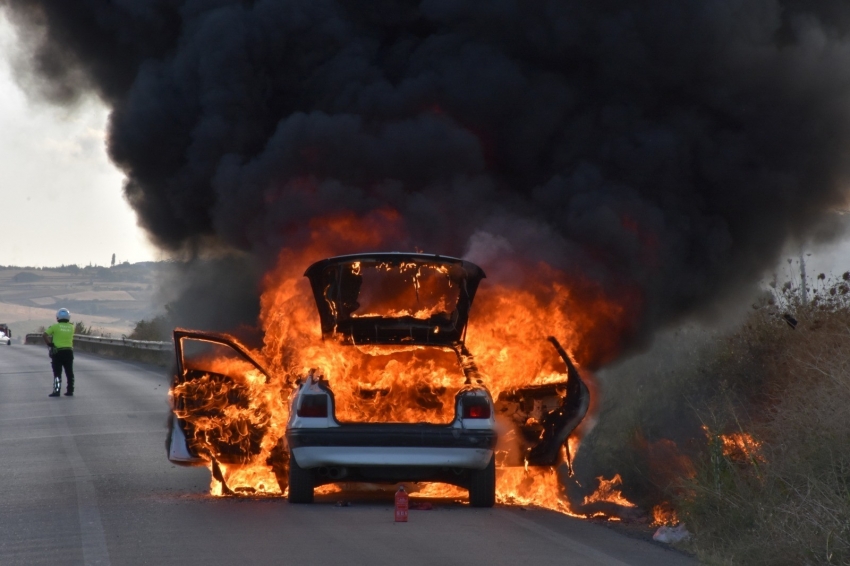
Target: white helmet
{"x":63,"y":315}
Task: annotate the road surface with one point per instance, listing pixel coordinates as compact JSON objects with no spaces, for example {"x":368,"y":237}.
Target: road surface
{"x":84,"y":480}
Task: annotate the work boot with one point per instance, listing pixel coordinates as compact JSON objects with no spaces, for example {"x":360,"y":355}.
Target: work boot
{"x":54,"y":394}
{"x":69,"y":394}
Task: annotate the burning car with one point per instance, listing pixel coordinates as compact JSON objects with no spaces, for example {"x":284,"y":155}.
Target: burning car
{"x":389,"y":393}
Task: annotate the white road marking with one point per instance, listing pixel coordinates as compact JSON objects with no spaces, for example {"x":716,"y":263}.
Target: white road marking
{"x":91,"y":527}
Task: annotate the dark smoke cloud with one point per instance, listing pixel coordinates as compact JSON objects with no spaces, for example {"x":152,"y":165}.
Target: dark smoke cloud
{"x":217,"y":294}
{"x":671,"y":145}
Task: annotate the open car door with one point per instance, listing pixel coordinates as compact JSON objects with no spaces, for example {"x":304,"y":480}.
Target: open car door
{"x":544,"y":416}
{"x":215,"y":414}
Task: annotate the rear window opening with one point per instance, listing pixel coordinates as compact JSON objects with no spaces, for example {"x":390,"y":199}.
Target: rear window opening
{"x":394,"y":298}
{"x":417,"y":290}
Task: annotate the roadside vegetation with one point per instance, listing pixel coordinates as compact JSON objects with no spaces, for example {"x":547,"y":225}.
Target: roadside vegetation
{"x":81,"y":328}
{"x":787,"y":501}
{"x":156,"y":329}
{"x":744,"y":434}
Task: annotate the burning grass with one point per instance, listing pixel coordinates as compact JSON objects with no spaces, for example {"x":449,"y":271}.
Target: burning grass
{"x":778,"y":493}
{"x":742,"y":434}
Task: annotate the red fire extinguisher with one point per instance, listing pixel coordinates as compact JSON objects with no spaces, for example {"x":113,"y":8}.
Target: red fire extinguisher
{"x":401,"y":505}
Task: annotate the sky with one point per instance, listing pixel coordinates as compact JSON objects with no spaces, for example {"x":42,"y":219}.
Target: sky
{"x":60,"y":197}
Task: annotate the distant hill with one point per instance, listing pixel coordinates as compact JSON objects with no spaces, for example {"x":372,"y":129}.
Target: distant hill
{"x":26,"y":277}
{"x":109,"y":299}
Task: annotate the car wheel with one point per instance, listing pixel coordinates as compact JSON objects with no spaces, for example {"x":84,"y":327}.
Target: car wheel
{"x":300,"y":483}
{"x":482,"y":485}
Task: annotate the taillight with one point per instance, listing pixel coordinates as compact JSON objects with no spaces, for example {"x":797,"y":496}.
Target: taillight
{"x":313,"y":406}
{"x":476,"y":408}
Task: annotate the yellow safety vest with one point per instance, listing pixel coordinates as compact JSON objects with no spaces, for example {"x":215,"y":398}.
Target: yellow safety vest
{"x":63,"y":334}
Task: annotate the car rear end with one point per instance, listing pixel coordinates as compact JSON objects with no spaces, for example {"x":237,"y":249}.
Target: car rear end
{"x":324,"y":450}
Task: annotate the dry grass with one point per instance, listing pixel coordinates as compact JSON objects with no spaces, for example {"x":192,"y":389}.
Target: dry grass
{"x":791,"y":505}
{"x":664,"y":413}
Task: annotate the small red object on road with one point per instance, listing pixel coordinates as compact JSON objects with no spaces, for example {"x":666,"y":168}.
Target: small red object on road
{"x":402,"y":504}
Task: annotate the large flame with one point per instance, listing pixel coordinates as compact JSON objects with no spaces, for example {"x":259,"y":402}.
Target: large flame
{"x":508,"y":331}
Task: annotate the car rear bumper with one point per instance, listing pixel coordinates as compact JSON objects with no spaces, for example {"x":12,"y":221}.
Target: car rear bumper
{"x":356,"y":456}
{"x":392,"y":445}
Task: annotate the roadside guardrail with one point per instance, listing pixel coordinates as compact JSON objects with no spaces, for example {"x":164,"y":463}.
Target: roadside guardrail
{"x":161,"y":353}
{"x":33,"y":339}
{"x":125,"y":342}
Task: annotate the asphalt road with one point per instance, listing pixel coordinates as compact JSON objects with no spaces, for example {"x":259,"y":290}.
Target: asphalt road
{"x":84,"y":480}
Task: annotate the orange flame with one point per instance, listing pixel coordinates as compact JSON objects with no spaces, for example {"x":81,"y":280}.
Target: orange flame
{"x":664,"y":514}
{"x":507,"y":333}
{"x":741,"y":446}
{"x":607,"y":492}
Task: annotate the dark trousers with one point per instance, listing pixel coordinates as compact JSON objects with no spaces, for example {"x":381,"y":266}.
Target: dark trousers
{"x":63,"y":359}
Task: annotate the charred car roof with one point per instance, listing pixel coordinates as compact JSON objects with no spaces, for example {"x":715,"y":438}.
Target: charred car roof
{"x":394,"y":298}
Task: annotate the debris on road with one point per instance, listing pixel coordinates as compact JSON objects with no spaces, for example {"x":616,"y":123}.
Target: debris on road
{"x":671,"y":535}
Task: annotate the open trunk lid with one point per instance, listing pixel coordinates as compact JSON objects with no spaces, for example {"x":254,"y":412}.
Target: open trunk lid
{"x":394,"y":298}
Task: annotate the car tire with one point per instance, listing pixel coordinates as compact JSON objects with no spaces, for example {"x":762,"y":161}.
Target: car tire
{"x":482,"y":485}
{"x":300,"y":483}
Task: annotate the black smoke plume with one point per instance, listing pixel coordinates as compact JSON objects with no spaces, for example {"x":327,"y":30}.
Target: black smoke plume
{"x":669,"y":145}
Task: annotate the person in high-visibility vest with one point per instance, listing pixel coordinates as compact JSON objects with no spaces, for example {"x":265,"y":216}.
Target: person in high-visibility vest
{"x":60,"y":338}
